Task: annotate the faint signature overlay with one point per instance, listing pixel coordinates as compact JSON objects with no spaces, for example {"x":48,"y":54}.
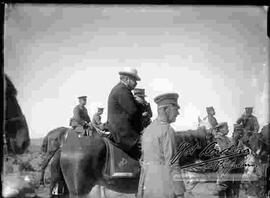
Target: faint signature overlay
{"x":225,"y":160}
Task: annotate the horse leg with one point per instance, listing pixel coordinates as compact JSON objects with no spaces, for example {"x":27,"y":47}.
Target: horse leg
{"x":58,"y":184}
{"x":44,"y":164}
{"x":102,"y":191}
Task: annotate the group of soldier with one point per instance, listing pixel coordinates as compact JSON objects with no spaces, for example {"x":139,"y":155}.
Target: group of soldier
{"x":130,"y":126}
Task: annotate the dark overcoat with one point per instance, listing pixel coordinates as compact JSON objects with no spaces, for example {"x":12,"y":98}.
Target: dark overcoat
{"x":123,"y":117}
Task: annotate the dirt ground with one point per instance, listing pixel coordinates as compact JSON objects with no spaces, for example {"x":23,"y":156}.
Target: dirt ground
{"x":27,"y":166}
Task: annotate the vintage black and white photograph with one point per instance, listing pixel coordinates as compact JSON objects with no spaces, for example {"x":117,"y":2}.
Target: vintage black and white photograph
{"x":143,"y":101}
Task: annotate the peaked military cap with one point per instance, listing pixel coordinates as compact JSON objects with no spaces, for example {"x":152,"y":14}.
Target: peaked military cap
{"x":139,"y":92}
{"x":167,"y":99}
{"x":208,"y":109}
{"x":82,"y":97}
{"x":249,"y":108}
{"x":100,"y":108}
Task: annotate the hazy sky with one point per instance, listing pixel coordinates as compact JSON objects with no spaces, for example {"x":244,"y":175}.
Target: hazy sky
{"x":211,"y":56}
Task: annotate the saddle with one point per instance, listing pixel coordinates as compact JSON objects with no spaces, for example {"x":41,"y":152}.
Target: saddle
{"x":119,"y":164}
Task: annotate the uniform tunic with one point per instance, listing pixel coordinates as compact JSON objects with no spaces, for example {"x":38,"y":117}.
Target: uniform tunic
{"x":80,"y":118}
{"x":249,"y":123}
{"x":159,"y":146}
{"x":96,"y":121}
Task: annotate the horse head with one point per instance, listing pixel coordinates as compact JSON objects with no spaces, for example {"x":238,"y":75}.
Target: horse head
{"x":16,"y":133}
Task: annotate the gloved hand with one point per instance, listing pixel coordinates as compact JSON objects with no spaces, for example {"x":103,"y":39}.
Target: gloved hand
{"x":145,"y":114}
{"x":139,"y":100}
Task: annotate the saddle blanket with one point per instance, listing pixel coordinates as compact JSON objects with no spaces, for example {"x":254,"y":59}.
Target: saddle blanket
{"x":119,"y":164}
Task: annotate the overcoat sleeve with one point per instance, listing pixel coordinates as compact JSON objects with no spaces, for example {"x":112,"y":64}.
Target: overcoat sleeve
{"x":149,"y":110}
{"x":127,"y":102}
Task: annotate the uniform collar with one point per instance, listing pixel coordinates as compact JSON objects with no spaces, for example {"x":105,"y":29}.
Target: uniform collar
{"x":162,"y":120}
{"x":81,"y":107}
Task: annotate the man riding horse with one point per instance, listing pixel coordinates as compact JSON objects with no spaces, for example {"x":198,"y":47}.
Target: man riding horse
{"x":124,"y":114}
{"x":249,"y":121}
{"x":81,"y":120}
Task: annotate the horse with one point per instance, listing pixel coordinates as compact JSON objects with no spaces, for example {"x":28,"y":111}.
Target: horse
{"x":80,"y":162}
{"x":256,"y":176}
{"x":50,"y":144}
{"x":16,"y":133}
{"x":16,"y":141}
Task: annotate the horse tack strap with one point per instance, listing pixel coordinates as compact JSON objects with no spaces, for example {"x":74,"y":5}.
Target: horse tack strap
{"x":119,"y":164}
{"x":22,"y":117}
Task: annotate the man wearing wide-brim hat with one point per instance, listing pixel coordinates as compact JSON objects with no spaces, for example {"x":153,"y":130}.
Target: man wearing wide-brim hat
{"x":160,"y":174}
{"x":124,"y":114}
{"x":249,"y":121}
{"x":144,"y":106}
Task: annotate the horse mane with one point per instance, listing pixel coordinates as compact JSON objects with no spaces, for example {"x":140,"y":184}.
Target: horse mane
{"x":10,"y":88}
{"x":58,"y":132}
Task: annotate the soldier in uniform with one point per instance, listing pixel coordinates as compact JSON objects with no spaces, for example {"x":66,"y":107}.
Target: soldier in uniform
{"x":223,"y":142}
{"x":96,"y":121}
{"x":145,"y":107}
{"x":81,"y":119}
{"x":249,"y":121}
{"x":124,"y":115}
{"x":160,"y":177}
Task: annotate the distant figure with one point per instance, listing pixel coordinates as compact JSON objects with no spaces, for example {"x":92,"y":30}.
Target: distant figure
{"x":210,"y":117}
{"x":220,"y":135}
{"x":96,"y":121}
{"x":249,"y":121}
{"x":124,"y":114}
{"x":81,"y":119}
{"x":160,"y":176}
{"x":145,"y":107}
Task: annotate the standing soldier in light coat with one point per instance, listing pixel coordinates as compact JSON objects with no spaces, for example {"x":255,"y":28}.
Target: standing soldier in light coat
{"x":160,"y":178}
{"x":249,"y":121}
